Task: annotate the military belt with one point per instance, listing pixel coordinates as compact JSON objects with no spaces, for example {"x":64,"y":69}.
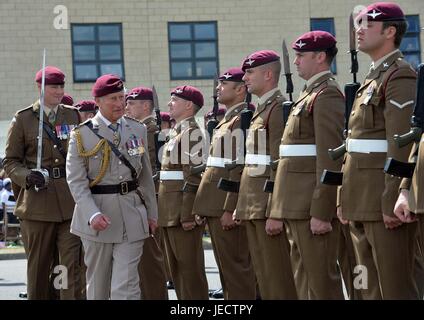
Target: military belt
{"x":257,"y":159}
{"x":366,"y":145}
{"x":217,"y":162}
{"x":57,"y":172}
{"x":298,"y":150}
{"x":121,"y":188}
{"x":171,"y":175}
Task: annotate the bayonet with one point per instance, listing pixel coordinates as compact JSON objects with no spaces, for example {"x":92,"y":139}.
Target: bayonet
{"x":38,"y":168}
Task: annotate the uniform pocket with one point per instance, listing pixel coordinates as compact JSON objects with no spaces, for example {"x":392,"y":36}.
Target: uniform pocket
{"x":368,"y":112}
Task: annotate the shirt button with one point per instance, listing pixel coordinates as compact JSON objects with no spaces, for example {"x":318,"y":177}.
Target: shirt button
{"x":120,"y":177}
{"x":352,"y":113}
{"x":55,"y":146}
{"x":56,"y":160}
{"x":359,"y":94}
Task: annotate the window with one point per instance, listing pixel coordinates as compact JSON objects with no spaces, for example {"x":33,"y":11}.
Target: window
{"x":410,"y":46}
{"x":325,"y":24}
{"x":193,"y":50}
{"x":96,"y":50}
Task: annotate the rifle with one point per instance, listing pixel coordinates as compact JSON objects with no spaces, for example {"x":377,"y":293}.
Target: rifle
{"x":287,"y":106}
{"x":38,"y":168}
{"x":158,"y":143}
{"x":212,"y":123}
{"x":406,"y":169}
{"x":336,"y":177}
{"x":245,"y":118}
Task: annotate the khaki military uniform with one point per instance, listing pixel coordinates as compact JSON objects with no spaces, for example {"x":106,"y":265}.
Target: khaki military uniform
{"x":314,"y":126}
{"x":152,"y":266}
{"x":230,"y":247}
{"x":45,"y":215}
{"x":382,"y":108}
{"x":183,"y":248}
{"x":270,"y":255}
{"x":112,"y":255}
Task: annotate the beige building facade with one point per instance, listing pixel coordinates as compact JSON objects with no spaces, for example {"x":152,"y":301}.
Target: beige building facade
{"x":28,"y":26}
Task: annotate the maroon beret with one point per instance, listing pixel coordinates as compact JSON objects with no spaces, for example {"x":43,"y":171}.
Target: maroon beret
{"x":67,"y":99}
{"x":221,"y":111}
{"x":259,"y":58}
{"x":382,"y":11}
{"x":107,"y":84}
{"x":53,"y":75}
{"x":314,"y":41}
{"x":140,"y":93}
{"x":165,"y":116}
{"x":189,"y":93}
{"x":232,"y":74}
{"x":86,"y":106}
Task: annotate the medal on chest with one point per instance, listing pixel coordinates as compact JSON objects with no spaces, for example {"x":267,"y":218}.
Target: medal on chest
{"x":63,"y":131}
{"x":369,"y":93}
{"x":135,"y":146}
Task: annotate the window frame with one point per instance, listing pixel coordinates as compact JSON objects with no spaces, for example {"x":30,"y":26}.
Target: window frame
{"x":192,"y":42}
{"x":96,"y":43}
{"x":417,"y":35}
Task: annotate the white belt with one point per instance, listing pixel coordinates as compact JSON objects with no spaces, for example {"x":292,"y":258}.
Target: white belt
{"x":298,"y":150}
{"x":258,"y":159}
{"x":171,"y":175}
{"x":366,"y":145}
{"x":217,"y":162}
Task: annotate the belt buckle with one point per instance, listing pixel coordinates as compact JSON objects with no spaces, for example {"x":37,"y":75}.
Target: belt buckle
{"x":56,"y":173}
{"x":124,"y":187}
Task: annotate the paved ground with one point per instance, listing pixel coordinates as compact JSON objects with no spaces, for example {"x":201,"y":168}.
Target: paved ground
{"x":13,"y":272}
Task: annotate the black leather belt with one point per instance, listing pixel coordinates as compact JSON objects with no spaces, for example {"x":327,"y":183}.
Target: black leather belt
{"x":122,"y":188}
{"x":57,"y":172}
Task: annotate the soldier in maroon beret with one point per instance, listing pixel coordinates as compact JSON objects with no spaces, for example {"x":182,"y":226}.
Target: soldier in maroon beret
{"x":177,"y":190}
{"x":166,"y":120}
{"x":268,"y":242}
{"x":45,"y":214}
{"x":67,"y":99}
{"x":139,"y":105}
{"x":217,"y":206}
{"x":109,"y":175}
{"x":314,"y":126}
{"x":383,"y":243}
{"x":87,"y":109}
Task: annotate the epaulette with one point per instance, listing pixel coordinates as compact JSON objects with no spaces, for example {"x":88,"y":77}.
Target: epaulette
{"x":131,"y":118}
{"x":83,"y":124}
{"x":68,"y":107}
{"x":24,"y":109}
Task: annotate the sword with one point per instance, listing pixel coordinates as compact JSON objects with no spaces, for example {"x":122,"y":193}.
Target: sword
{"x":38,"y":168}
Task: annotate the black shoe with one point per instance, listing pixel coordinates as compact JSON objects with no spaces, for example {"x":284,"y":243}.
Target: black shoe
{"x":218,"y":294}
{"x":170,"y":285}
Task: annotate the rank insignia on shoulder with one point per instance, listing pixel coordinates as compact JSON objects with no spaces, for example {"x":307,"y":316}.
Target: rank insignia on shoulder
{"x":135,"y":146}
{"x":64,"y":130}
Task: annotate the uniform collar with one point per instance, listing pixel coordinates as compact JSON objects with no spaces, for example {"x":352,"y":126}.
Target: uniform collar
{"x":233,"y":110}
{"x":317,"y":76}
{"x":106,"y":121}
{"x":376,"y":64}
{"x":183,"y":124}
{"x":144,"y":120}
{"x":267,"y":95}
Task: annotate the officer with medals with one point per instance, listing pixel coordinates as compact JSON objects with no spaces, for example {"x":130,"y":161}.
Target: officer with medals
{"x":106,"y":166}
{"x":45,"y":209}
